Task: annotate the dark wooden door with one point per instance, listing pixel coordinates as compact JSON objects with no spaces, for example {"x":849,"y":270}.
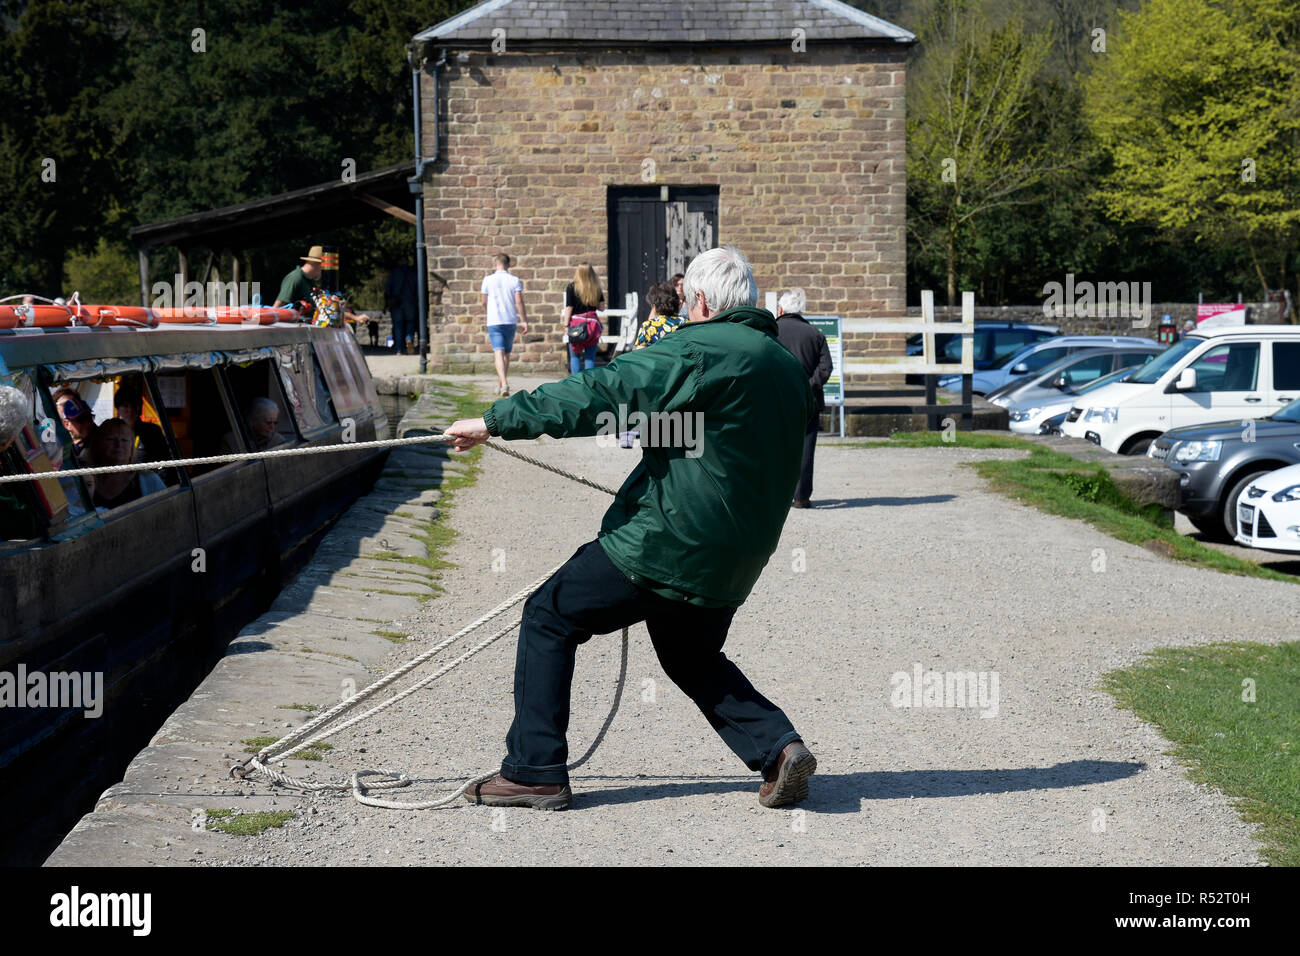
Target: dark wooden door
{"x":652,"y":238}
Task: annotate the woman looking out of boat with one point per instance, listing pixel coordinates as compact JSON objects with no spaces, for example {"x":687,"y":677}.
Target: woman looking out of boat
{"x":112,"y":444}
{"x":149,"y":443}
{"x":263,"y":419}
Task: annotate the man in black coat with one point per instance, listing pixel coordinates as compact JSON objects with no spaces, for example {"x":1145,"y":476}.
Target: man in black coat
{"x":810,"y":348}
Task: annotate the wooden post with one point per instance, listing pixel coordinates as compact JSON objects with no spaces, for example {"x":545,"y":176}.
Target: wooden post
{"x":967,"y":358}
{"x":144,"y":277}
{"x":927,"y":352}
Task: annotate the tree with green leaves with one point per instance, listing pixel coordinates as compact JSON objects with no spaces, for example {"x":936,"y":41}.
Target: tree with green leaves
{"x":151,"y":112}
{"x":1197,"y":105}
{"x":974,"y":142}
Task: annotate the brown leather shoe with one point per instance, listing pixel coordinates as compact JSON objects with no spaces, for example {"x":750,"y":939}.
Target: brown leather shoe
{"x":500,"y":792}
{"x":801,"y":503}
{"x":787,"y":781}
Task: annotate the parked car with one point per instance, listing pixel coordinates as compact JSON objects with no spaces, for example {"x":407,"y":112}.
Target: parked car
{"x":991,"y":342}
{"x":1268,"y":511}
{"x":1071,"y":372}
{"x":1212,"y":375}
{"x":1217,"y":462}
{"x":1046,"y":416}
{"x":1036,"y":357}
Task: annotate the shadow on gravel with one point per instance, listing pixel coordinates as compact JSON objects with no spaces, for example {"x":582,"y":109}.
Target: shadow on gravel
{"x":881,"y":502}
{"x":640,"y":789}
{"x":844,"y":792}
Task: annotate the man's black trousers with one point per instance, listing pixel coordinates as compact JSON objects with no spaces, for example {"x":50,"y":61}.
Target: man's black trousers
{"x":803,"y":491}
{"x":589,"y":595}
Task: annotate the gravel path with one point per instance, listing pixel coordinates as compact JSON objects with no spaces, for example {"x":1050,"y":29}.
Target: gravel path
{"x":905,"y":560}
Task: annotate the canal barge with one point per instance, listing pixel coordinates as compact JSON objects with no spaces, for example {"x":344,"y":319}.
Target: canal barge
{"x":146,"y":593}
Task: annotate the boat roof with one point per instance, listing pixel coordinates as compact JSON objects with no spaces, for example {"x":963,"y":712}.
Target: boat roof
{"x":21,"y":348}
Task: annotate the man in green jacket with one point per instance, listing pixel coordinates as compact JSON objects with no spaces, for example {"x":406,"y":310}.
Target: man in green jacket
{"x":722,"y":408}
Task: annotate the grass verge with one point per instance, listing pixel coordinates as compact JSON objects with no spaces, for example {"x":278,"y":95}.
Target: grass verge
{"x":1062,"y":484}
{"x":437,"y":535}
{"x":246,"y":824}
{"x":1232,"y":712}
{"x":313,"y":751}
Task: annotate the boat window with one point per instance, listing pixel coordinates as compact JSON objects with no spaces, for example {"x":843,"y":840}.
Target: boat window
{"x":255,"y":389}
{"x":137,"y":403}
{"x":31,"y":508}
{"x":346,"y":388}
{"x":304,"y":387}
{"x":199,"y":417}
{"x":113,"y":420}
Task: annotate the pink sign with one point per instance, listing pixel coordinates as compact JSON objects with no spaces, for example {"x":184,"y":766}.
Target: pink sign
{"x":1203,"y":312}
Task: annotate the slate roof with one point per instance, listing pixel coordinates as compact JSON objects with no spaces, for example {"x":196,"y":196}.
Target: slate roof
{"x":658,"y":22}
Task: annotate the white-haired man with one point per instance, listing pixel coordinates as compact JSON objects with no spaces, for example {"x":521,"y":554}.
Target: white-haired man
{"x":686,"y":537}
{"x":809,"y":346}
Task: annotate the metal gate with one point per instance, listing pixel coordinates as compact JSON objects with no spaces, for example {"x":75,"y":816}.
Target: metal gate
{"x":655,"y":232}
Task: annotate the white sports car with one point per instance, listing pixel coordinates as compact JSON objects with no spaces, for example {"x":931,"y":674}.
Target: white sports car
{"x":1268,"y":511}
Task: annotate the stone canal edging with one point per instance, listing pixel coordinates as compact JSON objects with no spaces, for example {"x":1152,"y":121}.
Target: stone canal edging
{"x":330,"y":632}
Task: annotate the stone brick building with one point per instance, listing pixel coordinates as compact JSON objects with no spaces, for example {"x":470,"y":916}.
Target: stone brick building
{"x":635,"y":133}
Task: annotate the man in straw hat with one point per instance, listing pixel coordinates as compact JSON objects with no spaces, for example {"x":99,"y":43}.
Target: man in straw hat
{"x":297,"y":285}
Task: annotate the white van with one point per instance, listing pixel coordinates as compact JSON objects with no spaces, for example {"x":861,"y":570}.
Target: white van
{"x":1235,"y":373}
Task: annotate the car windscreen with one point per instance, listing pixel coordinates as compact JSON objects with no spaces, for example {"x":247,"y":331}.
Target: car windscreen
{"x":1048,"y":372}
{"x":1166,"y":360}
{"x":1287,"y":413}
{"x":1119,"y":376}
{"x":1012,"y":357}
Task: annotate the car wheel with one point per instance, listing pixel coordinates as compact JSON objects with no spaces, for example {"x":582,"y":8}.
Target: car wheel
{"x":1229,"y":509}
{"x":1138,"y":447}
{"x":1211,"y":526}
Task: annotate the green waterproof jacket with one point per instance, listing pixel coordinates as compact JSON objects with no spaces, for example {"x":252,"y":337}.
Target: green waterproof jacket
{"x":722,"y":408}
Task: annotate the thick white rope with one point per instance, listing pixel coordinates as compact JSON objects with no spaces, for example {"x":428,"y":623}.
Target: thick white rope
{"x":303,"y":737}
{"x":291,"y":453}
{"x":224,"y":459}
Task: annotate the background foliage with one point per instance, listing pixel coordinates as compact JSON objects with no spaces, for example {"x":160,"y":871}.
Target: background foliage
{"x":1122,"y":164}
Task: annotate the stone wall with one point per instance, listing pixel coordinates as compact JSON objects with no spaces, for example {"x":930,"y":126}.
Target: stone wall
{"x":807,"y":150}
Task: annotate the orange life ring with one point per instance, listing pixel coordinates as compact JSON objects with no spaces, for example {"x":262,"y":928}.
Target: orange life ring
{"x":63,"y":316}
{"x":127,"y":315}
{"x":226,"y":315}
{"x":41,"y":316}
{"x":269,"y":315}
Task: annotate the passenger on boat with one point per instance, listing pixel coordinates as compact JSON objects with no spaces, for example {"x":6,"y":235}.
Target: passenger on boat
{"x":18,"y":515}
{"x":297,"y":285}
{"x":112,"y":444}
{"x":77,"y":418}
{"x":149,"y":443}
{"x":263,"y":417}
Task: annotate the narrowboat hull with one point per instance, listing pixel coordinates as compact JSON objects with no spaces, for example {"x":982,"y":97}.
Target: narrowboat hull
{"x":150,"y":597}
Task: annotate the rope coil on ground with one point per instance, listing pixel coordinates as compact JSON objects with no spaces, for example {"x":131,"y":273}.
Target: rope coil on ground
{"x":306,"y":736}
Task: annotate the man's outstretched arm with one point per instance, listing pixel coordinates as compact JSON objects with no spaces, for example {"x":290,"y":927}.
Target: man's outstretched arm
{"x":662,"y":378}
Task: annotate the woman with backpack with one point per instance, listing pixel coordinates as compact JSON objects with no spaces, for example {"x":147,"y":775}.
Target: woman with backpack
{"x":582,"y":297}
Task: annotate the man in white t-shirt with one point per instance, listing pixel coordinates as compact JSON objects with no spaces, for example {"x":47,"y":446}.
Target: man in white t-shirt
{"x":503,"y":296}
